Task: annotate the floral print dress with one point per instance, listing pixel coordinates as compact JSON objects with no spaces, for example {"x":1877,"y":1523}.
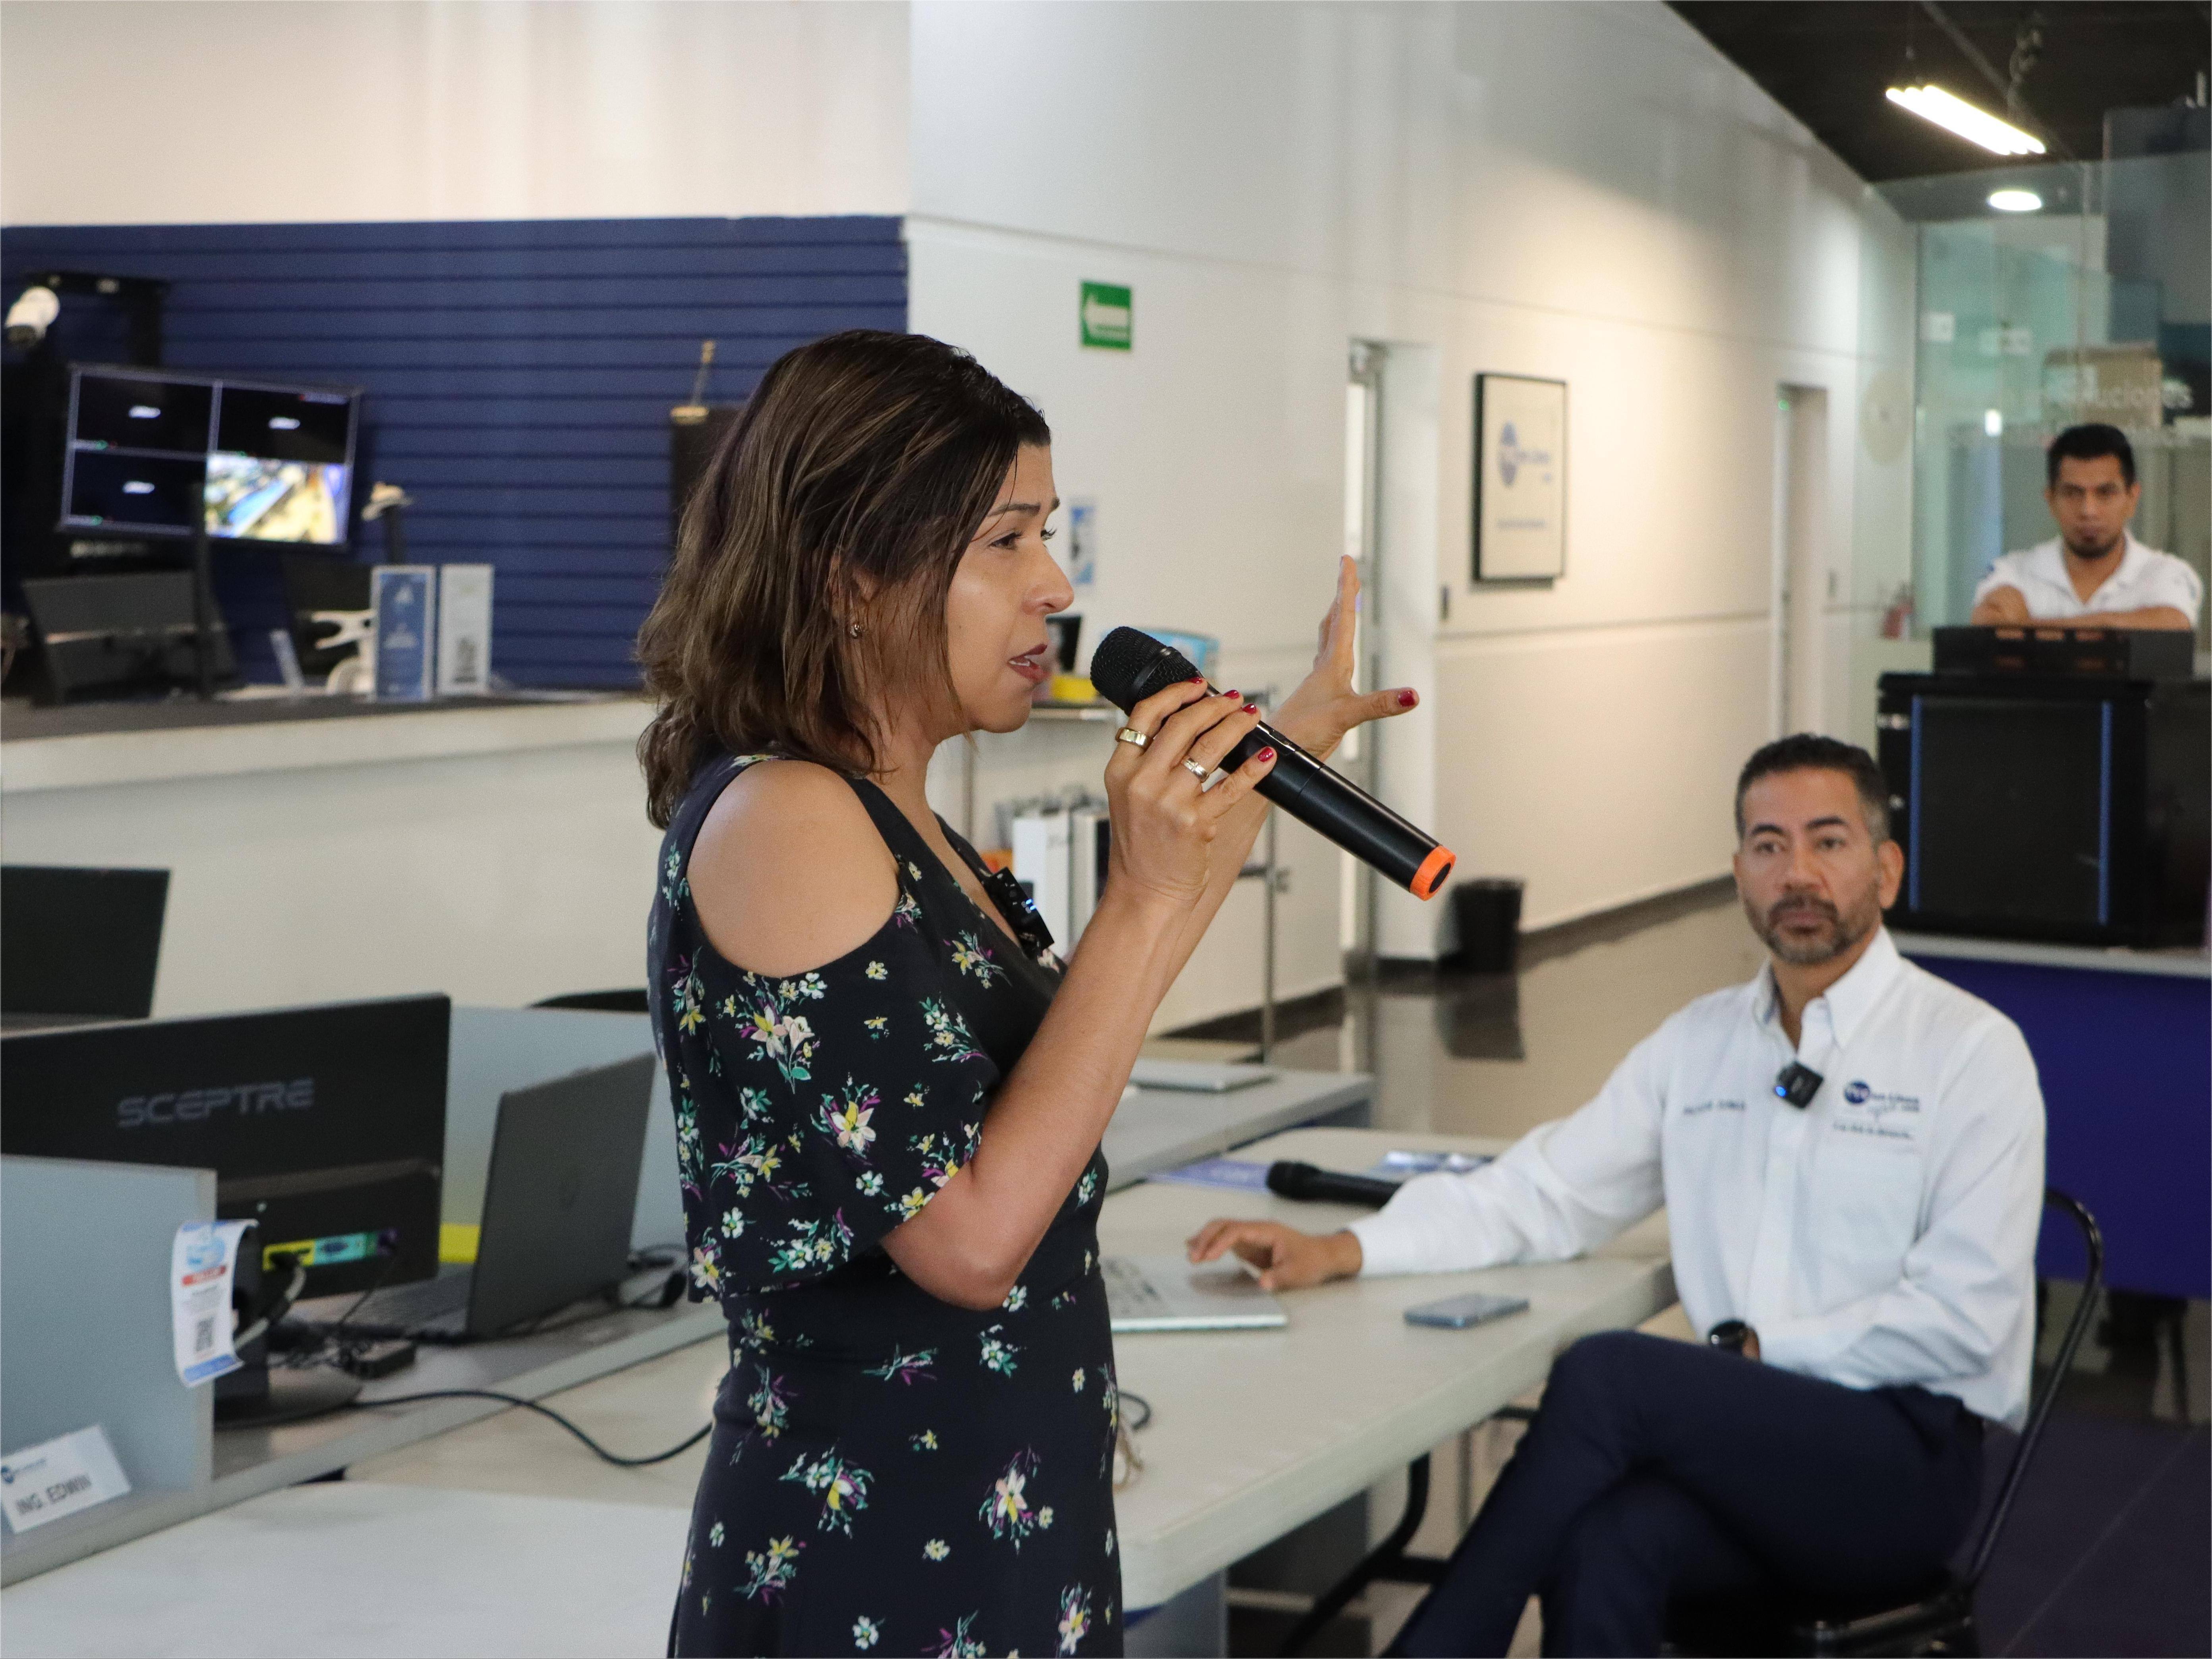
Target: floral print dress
{"x":888,"y":1473}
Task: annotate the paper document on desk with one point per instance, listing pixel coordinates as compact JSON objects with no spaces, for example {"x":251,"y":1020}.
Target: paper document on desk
{"x":1239,"y":1173}
{"x":1401,"y":1166}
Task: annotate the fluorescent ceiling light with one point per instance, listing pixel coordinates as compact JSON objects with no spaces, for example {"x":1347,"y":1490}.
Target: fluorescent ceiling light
{"x":2015,"y":201}
{"x":1976,"y":125}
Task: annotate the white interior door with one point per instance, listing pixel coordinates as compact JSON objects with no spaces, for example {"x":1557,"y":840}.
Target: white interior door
{"x":1363,"y":445}
{"x":1800,"y":557}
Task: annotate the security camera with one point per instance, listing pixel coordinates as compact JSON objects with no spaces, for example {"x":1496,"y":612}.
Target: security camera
{"x":31,"y":315}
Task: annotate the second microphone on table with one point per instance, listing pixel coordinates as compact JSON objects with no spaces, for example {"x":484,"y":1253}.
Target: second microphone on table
{"x":1129,"y":666}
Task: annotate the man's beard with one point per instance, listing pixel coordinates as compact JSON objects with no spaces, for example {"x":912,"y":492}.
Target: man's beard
{"x":2092,"y":553}
{"x":1841,"y":932}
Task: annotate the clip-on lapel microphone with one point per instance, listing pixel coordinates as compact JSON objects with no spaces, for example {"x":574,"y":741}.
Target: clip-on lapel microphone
{"x":1797,"y":1085}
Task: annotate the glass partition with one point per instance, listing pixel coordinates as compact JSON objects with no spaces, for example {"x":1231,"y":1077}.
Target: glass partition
{"x":2092,"y":300}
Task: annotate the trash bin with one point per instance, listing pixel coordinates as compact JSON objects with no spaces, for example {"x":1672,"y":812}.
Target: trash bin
{"x":1486,"y":910}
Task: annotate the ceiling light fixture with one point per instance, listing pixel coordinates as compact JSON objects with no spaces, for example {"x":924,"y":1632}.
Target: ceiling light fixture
{"x":2015,"y":201}
{"x":1932,"y":103}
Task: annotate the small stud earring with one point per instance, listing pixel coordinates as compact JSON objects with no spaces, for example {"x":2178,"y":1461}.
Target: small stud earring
{"x":854,"y":629}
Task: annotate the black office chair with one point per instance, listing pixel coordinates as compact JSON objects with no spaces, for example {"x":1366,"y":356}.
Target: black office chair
{"x":1940,"y":1619}
{"x":601,"y":1002}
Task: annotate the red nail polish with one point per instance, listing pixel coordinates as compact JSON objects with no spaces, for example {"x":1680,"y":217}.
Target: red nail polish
{"x":1251,"y":707}
{"x":1195,"y":679}
{"x":1230,"y":692}
{"x":1267,"y":754}
{"x":1407,"y":699}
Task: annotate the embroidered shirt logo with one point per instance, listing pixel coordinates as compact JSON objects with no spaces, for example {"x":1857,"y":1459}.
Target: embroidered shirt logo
{"x":1867,"y":1109}
{"x":1877,"y":1103}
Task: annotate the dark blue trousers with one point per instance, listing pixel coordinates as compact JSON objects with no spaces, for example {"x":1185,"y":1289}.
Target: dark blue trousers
{"x":1659,"y":1470}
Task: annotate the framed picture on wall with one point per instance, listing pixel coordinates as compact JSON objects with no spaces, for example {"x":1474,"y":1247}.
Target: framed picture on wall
{"x":1519,"y":478}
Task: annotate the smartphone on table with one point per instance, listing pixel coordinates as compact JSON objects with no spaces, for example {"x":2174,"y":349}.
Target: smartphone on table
{"x":1456,"y":1313}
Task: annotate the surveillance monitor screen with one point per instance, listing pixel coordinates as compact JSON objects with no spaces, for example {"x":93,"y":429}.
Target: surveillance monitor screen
{"x":157,"y":493}
{"x":156,"y":454}
{"x":137,"y":412}
{"x":253,"y":498}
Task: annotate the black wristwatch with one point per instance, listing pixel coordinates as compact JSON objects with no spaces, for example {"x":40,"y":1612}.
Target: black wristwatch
{"x":1731,"y":1335}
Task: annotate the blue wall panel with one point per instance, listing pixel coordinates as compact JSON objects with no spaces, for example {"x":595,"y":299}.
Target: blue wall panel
{"x":2126,"y":1064}
{"x":519,"y":377}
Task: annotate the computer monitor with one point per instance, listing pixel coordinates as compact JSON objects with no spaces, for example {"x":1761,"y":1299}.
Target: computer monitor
{"x":164,"y":452}
{"x":80,"y":942}
{"x":121,"y":635}
{"x":326,"y":1126}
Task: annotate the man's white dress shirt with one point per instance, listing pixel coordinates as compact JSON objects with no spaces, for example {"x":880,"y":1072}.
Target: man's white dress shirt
{"x":1884,"y":1235}
{"x":2146,"y":577}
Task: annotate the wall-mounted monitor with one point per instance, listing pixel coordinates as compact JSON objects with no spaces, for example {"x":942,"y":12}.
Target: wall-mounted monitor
{"x":160,"y":452}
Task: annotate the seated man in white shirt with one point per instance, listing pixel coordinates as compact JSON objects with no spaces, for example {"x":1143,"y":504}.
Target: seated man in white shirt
{"x":1851,"y":1154}
{"x":2094,"y":571}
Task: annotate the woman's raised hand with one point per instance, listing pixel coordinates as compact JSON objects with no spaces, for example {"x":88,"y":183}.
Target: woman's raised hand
{"x":1324,"y":707}
{"x":1164,"y":821}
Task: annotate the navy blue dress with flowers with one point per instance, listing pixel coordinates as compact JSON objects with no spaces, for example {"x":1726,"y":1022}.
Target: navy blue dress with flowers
{"x":888,"y":1473}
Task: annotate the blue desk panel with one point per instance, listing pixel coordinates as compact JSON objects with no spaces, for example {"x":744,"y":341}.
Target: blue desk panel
{"x":2126,"y":1064}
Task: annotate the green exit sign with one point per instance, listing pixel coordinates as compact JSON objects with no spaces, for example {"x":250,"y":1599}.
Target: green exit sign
{"x":1105,"y":316}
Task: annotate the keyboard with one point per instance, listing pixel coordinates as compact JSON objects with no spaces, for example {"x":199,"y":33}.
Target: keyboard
{"x":441,"y":1301}
{"x":1130,"y":1294}
{"x":1167,"y":1294}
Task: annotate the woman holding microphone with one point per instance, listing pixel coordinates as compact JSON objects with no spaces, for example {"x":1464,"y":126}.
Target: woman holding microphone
{"x":889,"y":1094}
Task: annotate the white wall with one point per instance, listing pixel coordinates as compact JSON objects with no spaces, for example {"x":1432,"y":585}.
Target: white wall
{"x":1587,"y":192}
{"x":190,"y":111}
{"x":1584,"y":192}
{"x":500,"y":872}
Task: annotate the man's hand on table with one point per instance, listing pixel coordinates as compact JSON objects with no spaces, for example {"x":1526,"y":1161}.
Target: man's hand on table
{"x":1287,"y":1259}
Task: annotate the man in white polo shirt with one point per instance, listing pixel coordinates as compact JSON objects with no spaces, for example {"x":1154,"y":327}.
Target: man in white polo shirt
{"x":2093,"y":571}
{"x":1849,"y":1151}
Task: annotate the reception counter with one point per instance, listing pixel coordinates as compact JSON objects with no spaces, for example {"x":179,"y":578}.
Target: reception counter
{"x":320,"y":849}
{"x":2122,"y":1044}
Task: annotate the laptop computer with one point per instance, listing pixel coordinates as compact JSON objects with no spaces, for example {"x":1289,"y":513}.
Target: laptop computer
{"x":1167,"y":1294}
{"x":556,"y":1215}
{"x":1198,"y":1077}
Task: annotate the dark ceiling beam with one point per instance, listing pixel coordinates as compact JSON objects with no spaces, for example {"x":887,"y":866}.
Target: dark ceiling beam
{"x":1827,"y":60}
{"x":2016,"y":104}
{"x":1973,"y":53}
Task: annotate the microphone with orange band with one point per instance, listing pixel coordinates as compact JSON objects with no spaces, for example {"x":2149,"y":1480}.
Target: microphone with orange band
{"x":1129,"y":666}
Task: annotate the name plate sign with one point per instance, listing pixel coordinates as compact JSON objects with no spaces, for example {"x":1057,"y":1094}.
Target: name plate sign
{"x":45,"y":1483}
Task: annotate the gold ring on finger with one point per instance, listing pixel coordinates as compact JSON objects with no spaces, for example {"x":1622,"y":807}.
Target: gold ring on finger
{"x":1130,"y":734}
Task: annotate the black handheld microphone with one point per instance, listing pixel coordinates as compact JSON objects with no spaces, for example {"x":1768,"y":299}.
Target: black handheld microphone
{"x":1287,"y":1179}
{"x":1129,"y":666}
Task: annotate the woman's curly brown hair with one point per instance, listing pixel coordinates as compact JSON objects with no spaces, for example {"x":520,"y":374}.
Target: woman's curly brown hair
{"x":846,"y":492}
